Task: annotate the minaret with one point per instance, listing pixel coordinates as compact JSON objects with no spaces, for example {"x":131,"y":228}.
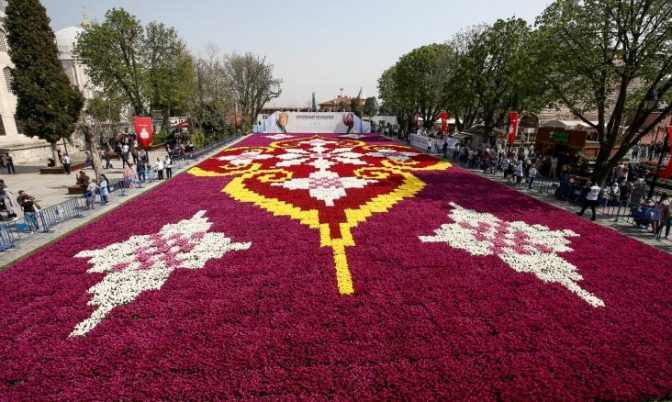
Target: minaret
{"x":86,"y":23}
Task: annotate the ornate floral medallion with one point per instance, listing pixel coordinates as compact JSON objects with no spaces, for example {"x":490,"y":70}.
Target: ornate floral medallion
{"x":327,"y":183}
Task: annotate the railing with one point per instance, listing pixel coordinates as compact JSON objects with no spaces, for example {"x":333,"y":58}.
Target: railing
{"x":23,"y":228}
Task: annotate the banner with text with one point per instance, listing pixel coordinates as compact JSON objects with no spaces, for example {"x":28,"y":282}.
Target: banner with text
{"x":314,"y":122}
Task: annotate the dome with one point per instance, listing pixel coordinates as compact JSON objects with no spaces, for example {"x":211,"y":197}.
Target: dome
{"x":66,"y":39}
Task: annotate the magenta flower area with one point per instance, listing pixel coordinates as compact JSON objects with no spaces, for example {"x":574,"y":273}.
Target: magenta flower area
{"x":299,"y":266}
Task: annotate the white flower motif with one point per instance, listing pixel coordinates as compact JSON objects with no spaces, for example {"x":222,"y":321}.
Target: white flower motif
{"x":244,"y":158}
{"x":353,"y":136}
{"x":525,"y":248}
{"x":279,"y":136}
{"x":144,"y":263}
{"x":318,"y":154}
{"x":393,"y":154}
{"x":325,"y":185}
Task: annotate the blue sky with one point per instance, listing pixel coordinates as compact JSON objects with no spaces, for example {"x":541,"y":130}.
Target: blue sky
{"x":315,"y":45}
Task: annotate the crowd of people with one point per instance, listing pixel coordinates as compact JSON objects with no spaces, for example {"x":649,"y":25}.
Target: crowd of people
{"x":626,"y":187}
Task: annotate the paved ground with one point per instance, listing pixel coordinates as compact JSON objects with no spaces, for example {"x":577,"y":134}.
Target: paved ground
{"x":52,"y":189}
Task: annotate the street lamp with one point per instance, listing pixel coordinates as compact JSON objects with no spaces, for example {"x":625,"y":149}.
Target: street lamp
{"x":650,"y":103}
{"x":651,"y":100}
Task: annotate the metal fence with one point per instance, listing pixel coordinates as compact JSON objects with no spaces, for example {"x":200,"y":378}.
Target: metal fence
{"x":43,"y":221}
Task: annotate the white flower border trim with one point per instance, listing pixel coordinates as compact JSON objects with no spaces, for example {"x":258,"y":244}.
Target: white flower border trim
{"x":144,"y":263}
{"x":525,"y":248}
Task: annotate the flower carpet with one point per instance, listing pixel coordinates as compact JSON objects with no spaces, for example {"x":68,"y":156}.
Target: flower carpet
{"x":301,"y":266}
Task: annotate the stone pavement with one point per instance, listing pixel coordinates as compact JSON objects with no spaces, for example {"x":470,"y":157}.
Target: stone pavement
{"x":52,"y":189}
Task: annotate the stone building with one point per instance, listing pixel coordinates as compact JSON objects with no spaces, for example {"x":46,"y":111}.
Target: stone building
{"x":22,"y":148}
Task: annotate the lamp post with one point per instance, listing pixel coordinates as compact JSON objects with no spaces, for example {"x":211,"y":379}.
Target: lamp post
{"x":650,"y":104}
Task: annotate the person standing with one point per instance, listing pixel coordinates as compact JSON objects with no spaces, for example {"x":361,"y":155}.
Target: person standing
{"x":9,"y":162}
{"x":104,"y":186}
{"x":159,"y":168}
{"x":590,"y":200}
{"x":168,"y":163}
{"x":66,"y":163}
{"x":124,"y":155}
{"x":661,"y":213}
{"x":531,"y":176}
{"x":27,"y":203}
{"x":108,"y":158}
{"x":141,"y":170}
{"x":638,"y":192}
{"x":90,"y":195}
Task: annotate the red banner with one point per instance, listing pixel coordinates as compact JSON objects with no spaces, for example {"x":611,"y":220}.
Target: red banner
{"x":664,"y":174}
{"x":513,"y":127}
{"x":144,"y":131}
{"x":444,"y":121}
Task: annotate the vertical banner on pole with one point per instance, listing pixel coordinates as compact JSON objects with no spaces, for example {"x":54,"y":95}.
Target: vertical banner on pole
{"x":667,"y":173}
{"x":144,"y":131}
{"x":513,"y":127}
{"x":444,"y":122}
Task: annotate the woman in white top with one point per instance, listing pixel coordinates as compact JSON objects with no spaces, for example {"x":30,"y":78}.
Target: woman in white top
{"x":159,"y":168}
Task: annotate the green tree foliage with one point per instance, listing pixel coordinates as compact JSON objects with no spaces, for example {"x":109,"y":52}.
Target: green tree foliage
{"x":170,"y":71}
{"x":371,"y":106}
{"x":602,"y":57}
{"x":150,"y":66}
{"x":114,"y":53}
{"x":494,"y":73}
{"x":48,"y":106}
{"x":421,"y":77}
{"x":389,"y":89}
{"x":356,"y":107}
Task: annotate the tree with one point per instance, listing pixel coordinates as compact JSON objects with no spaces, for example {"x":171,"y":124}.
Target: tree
{"x":603,"y":57}
{"x":99,"y":110}
{"x":462,"y":100}
{"x":356,"y":107}
{"x":48,"y":106}
{"x":394,"y":101}
{"x":214,"y":100}
{"x":251,"y":82}
{"x":114,"y":53}
{"x":494,"y":73}
{"x":371,"y":106}
{"x":421,"y":77}
{"x":170,"y":72}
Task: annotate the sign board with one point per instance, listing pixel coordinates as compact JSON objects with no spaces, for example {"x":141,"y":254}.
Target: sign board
{"x":312,"y":122}
{"x":144,"y":130}
{"x":420,"y":141}
{"x":561,"y":137}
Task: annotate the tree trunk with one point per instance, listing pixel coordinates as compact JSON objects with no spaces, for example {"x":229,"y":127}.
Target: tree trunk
{"x":93,"y":149}
{"x":54,"y":153}
{"x":603,"y":165}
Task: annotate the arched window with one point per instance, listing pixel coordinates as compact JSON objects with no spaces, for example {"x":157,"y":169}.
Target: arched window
{"x":2,"y":127}
{"x":8,"y":78}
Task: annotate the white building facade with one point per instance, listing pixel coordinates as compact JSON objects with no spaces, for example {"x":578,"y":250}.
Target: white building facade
{"x":22,"y":148}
